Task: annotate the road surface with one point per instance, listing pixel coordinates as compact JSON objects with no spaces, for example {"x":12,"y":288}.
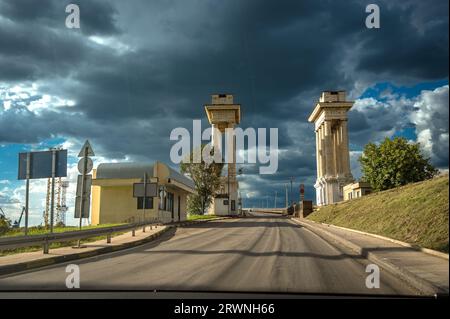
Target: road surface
{"x":257,"y":254}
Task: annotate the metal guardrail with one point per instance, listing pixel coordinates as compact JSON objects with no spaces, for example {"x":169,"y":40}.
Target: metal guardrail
{"x":46,"y":239}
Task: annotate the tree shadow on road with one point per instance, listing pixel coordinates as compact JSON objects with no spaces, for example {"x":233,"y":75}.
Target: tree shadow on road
{"x":255,"y":254}
{"x":244,"y":223}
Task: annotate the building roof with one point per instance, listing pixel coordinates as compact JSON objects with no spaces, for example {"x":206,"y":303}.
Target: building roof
{"x":173,"y":174}
{"x":137,"y":170}
{"x":124,"y":170}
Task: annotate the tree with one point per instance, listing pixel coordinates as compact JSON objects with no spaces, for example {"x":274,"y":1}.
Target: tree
{"x":394,"y":163}
{"x":5,"y":224}
{"x":206,"y":177}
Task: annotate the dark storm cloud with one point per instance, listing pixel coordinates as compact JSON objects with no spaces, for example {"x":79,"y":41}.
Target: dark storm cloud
{"x":156,"y":63}
{"x":98,"y":16}
{"x":412,"y":41}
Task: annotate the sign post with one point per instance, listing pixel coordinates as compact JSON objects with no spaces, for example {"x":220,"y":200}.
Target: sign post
{"x":145,"y":190}
{"x":84,"y":167}
{"x":41,"y":164}
{"x":27,"y":192}
{"x":52,"y":204}
{"x":302,"y":192}
{"x":144,"y":200}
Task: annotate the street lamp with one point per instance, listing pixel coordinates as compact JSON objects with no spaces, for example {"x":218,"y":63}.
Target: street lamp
{"x":240,"y":198}
{"x":291,"y":179}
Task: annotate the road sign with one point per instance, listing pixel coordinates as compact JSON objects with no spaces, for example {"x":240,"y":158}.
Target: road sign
{"x":90,"y":151}
{"x":88,"y":184}
{"x":302,"y":192}
{"x":41,"y":164}
{"x":85,"y":208}
{"x":152,"y":190}
{"x":89,"y":165}
{"x":86,"y":196}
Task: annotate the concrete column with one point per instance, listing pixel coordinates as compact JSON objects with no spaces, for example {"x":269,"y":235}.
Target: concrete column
{"x":323,"y":168}
{"x":232,"y":172}
{"x":345,"y":149}
{"x":335,"y":151}
{"x":318,"y":153}
{"x":338,"y":150}
{"x":216,"y":138}
{"x":232,"y":148}
{"x":328,"y":149}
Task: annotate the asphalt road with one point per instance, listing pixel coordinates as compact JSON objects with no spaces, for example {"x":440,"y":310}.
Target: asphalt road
{"x":262,"y":254}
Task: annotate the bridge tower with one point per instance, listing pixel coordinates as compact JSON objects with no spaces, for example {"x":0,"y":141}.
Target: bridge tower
{"x":223,"y":113}
{"x":332,"y":151}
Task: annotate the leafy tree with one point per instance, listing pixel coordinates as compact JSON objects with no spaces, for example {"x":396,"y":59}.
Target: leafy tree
{"x":206,"y":177}
{"x":5,"y":224}
{"x":394,"y":163}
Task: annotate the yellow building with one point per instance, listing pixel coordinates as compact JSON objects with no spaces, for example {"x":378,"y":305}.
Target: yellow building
{"x":112,"y":193}
{"x":356,"y":190}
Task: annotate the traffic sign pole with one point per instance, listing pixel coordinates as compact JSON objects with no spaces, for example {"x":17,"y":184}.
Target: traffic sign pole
{"x":82,"y":197}
{"x":52,"y":204}
{"x":27,"y":192}
{"x":302,"y":192}
{"x":144,"y":199}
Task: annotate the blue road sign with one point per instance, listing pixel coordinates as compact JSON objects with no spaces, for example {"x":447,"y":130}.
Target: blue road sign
{"x":41,"y":164}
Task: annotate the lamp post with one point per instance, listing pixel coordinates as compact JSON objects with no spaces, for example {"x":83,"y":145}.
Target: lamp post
{"x":291,"y":179}
{"x":228,"y":191}
{"x":240,"y":198}
{"x":275,"y":201}
{"x":286,"y":195}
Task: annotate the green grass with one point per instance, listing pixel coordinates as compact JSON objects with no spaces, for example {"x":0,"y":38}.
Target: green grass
{"x":416,"y":213}
{"x":42,"y":231}
{"x":39,"y":230}
{"x":200,"y":217}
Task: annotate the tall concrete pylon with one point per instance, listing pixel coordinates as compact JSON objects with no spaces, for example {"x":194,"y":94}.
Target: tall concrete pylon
{"x":223,"y":113}
{"x":332,"y":150}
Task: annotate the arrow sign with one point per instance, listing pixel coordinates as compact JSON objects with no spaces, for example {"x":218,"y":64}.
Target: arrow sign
{"x":90,"y":151}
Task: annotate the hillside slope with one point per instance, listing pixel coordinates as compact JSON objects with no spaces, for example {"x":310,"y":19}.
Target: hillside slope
{"x":416,"y":213}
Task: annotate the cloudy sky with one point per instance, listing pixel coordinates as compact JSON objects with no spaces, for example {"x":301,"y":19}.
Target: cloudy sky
{"x":137,"y":69}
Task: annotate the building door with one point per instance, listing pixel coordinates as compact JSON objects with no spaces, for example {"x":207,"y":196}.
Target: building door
{"x":179,"y":208}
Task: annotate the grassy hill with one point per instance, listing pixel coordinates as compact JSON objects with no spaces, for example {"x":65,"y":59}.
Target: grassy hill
{"x":416,"y":213}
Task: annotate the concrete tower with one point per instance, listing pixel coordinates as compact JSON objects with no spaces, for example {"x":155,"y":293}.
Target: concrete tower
{"x":332,"y":152}
{"x":222,"y":114}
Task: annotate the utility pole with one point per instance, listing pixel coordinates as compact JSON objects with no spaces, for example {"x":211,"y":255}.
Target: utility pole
{"x":228,"y":190}
{"x":275,"y":202}
{"x":144,"y":200}
{"x":287,"y":202}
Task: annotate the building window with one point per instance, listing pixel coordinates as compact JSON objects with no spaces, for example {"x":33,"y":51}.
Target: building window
{"x":233,"y":204}
{"x":148,"y":203}
{"x":169,"y":205}
{"x":225,"y":201}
